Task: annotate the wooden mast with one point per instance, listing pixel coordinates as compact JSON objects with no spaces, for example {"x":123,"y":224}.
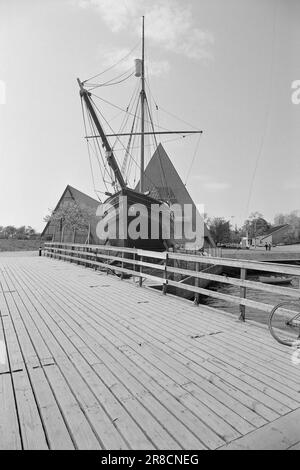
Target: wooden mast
{"x":142,"y":164}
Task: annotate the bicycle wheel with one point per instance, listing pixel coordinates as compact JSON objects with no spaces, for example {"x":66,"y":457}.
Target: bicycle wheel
{"x":284,"y":323}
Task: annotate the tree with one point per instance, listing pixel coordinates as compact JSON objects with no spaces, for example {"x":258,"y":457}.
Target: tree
{"x":30,"y":232}
{"x":10,"y":231}
{"x":70,"y":215}
{"x":293,"y":219}
{"x":255,"y":225}
{"x":279,"y":219}
{"x":235,"y":235}
{"x":220,"y":229}
{"x":21,"y":232}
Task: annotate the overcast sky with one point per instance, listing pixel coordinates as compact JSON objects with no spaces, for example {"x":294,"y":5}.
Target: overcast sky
{"x":224,"y":66}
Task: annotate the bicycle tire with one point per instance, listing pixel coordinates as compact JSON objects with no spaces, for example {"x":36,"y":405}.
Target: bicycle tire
{"x":279,"y":327}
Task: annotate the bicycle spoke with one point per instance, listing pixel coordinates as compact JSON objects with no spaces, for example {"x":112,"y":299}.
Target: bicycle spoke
{"x":284,"y":323}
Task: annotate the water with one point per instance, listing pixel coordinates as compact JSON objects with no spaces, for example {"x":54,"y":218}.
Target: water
{"x":251,"y":294}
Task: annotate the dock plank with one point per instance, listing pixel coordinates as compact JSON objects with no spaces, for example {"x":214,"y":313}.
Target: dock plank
{"x":10,"y":438}
{"x":210,"y":418}
{"x":32,"y":430}
{"x":154,"y":429}
{"x":55,"y":428}
{"x":95,"y":362}
{"x":254,"y":391}
{"x":257,"y":406}
{"x":286,"y":367}
{"x":4,"y":365}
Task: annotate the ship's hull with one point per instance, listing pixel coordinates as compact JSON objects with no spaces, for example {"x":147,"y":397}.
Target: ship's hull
{"x":123,"y":230}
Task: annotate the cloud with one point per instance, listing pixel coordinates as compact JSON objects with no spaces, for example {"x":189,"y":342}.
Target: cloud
{"x":171,"y":24}
{"x":172,"y":28}
{"x":115,"y":13}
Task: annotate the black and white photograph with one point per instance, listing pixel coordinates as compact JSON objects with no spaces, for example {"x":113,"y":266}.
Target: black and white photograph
{"x":149,"y":228}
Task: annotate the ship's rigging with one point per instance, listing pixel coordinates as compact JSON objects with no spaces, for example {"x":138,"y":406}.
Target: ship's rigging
{"x":131,"y":136}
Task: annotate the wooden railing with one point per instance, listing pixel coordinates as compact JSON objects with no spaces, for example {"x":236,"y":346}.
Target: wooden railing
{"x":167,"y":267}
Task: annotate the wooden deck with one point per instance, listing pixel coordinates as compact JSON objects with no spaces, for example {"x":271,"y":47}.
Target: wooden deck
{"x":99,"y":363}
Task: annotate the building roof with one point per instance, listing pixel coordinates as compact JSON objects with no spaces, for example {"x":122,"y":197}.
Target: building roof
{"x":82,"y":199}
{"x":274,"y":229}
{"x":163,"y":182}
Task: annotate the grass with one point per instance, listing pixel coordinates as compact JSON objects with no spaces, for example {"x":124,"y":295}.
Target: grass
{"x":12,"y":244}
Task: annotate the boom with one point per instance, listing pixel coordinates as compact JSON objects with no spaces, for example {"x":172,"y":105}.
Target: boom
{"x":111,"y":160}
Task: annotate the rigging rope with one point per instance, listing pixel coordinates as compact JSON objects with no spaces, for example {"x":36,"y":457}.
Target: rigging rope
{"x":162,"y":141}
{"x":179,"y":119}
{"x":135,"y":162}
{"x":124,"y":110}
{"x":99,"y":152}
{"x":193,"y":159}
{"x":103,"y":117}
{"x":126,"y":116}
{"x":164,"y":179}
{"x":125,"y":161}
{"x":114,"y":65}
{"x":89,"y":153}
{"x":110,"y":82}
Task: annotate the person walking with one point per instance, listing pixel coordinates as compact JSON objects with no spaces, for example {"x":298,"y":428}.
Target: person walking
{"x":266,"y":246}
{"x":270,"y":246}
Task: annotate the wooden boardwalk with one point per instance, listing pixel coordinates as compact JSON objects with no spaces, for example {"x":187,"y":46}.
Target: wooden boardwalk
{"x":94,"y":362}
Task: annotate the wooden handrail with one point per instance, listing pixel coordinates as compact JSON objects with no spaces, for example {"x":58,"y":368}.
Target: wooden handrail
{"x":234,"y":263}
{"x":99,"y":256}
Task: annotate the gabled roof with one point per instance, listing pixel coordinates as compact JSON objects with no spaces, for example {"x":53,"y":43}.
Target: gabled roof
{"x":82,"y":199}
{"x":163,"y":182}
{"x":274,"y":229}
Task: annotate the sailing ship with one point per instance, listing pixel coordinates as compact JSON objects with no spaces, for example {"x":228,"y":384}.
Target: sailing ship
{"x":121,"y":190}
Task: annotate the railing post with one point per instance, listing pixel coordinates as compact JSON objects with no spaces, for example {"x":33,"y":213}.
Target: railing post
{"x":122,"y":266}
{"x":243,"y":295}
{"x":141,"y":272}
{"x":96,"y":258}
{"x":165,"y":285}
{"x":88,"y":257}
{"x":133,"y":264}
{"x":197,"y":282}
